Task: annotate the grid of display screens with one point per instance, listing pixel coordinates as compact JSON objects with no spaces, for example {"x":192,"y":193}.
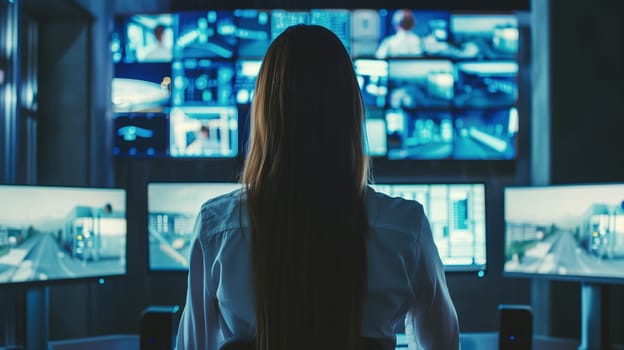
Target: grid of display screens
{"x":456,"y":213}
{"x":565,"y":232}
{"x":436,"y":84}
{"x":55,"y":233}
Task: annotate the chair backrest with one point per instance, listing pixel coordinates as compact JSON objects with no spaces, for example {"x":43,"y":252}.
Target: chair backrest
{"x":367,"y":344}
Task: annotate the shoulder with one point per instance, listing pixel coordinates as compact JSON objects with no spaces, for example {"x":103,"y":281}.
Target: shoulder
{"x":222,"y":213}
{"x":394,"y":213}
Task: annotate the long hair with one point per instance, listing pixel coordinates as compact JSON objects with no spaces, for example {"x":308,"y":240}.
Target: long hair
{"x":305,"y":178}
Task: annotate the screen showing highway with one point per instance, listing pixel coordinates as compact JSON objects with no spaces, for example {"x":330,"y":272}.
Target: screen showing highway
{"x":53,"y":233}
{"x":572,"y":231}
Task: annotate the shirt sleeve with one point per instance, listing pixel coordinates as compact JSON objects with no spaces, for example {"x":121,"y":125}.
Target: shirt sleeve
{"x":431,"y":322}
{"x":199,"y":320}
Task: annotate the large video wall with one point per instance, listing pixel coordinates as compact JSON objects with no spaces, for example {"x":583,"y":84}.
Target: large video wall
{"x":436,"y":84}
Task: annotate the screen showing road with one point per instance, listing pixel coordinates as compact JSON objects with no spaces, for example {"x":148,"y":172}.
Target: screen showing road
{"x":54,"y":233}
{"x":574,"y":231}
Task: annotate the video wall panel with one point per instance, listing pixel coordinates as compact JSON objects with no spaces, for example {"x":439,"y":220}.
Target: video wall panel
{"x":435,"y":84}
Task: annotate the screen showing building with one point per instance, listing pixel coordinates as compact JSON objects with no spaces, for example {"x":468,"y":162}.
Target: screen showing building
{"x":456,"y":213}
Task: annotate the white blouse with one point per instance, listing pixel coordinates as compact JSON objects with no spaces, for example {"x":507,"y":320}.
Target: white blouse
{"x":405,"y":280}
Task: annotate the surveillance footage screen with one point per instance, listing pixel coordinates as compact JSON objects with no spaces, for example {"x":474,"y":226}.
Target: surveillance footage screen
{"x":141,"y":134}
{"x":456,"y":213}
{"x":56,"y":233}
{"x":443,"y":84}
{"x":172,"y":210}
{"x":572,"y":231}
{"x":204,"y":131}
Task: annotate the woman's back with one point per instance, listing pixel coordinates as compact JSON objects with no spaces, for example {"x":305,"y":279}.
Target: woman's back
{"x":405,"y":276}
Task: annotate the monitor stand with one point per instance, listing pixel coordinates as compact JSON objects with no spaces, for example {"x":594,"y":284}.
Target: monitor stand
{"x":37,"y":318}
{"x":594,"y":324}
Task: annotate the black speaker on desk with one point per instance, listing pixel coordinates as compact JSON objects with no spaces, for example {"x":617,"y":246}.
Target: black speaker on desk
{"x":159,"y":326}
{"x":516,"y":327}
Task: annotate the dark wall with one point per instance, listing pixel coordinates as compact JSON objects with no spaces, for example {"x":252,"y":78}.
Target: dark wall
{"x":63,"y":100}
{"x":587,"y":100}
{"x":63,"y":140}
{"x":587,"y":104}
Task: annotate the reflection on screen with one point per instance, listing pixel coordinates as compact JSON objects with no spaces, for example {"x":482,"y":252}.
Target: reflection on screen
{"x":204,"y":131}
{"x":53,"y":233}
{"x":172,"y":210}
{"x":456,"y":213}
{"x":567,"y":231}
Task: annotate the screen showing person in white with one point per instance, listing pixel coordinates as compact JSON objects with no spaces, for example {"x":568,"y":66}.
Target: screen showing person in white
{"x":404,"y":42}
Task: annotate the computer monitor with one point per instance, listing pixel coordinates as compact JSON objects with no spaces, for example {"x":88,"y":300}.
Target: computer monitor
{"x":436,"y":84}
{"x":567,"y":232}
{"x":172,"y":209}
{"x":456,"y":213}
{"x":61,"y":233}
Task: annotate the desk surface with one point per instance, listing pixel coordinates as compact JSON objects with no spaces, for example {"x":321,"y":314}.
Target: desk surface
{"x":489,"y":341}
{"x":469,"y":341}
